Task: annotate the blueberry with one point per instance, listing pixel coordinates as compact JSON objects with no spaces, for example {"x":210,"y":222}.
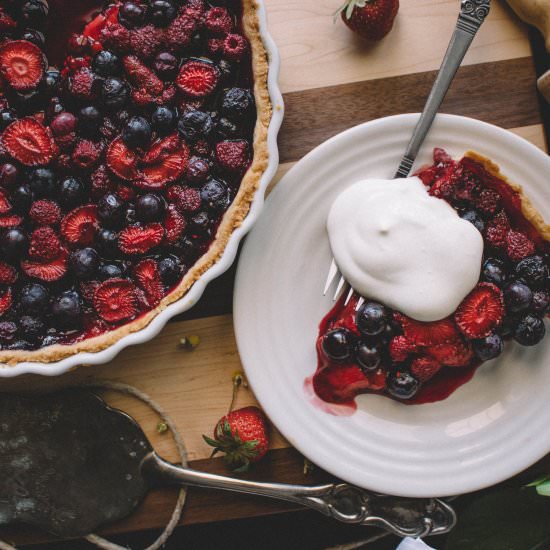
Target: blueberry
{"x":53,"y":108}
{"x":190,"y":247}
{"x":27,"y":103}
{"x":84,"y":263}
{"x":89,"y":120}
{"x":489,"y":347}
{"x":21,"y":198}
{"x":215,"y":195}
{"x":34,"y":13}
{"x":34,"y":298}
{"x":66,"y":310}
{"x":41,"y":181}
{"x":402,"y":384}
{"x":163,"y":119}
{"x":111,"y":210}
{"x":368,"y":357}
{"x":517,"y":296}
{"x":149,"y":208}
{"x":337,"y":344}
{"x":14,"y":243}
{"x":8,"y":175}
{"x":162,"y":12}
{"x":72,"y":192}
{"x":35,"y":36}
{"x":530,"y":330}
{"x":114,"y":93}
{"x":170,"y":270}
{"x":107,"y":242}
{"x":475,"y":219}
{"x":237,"y":104}
{"x":227,"y":129}
{"x":50,"y":83}
{"x":8,"y":329}
{"x":7,"y":116}
{"x":534,"y":270}
{"x":166,"y":65}
{"x":137,"y":133}
{"x":494,"y":271}
{"x":106,"y":63}
{"x":131,"y":14}
{"x":201,"y":223}
{"x":130,"y":215}
{"x":32,"y":328}
{"x":371,"y":318}
{"x":507,"y":327}
{"x":110,"y":271}
{"x":541,"y":302}
{"x":197,"y":170}
{"x":194,"y":125}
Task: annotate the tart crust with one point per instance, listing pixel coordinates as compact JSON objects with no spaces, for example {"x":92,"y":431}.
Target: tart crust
{"x":231,"y":220}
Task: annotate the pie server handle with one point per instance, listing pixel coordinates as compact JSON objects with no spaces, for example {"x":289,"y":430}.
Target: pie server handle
{"x":472,"y":14}
{"x":405,"y":517}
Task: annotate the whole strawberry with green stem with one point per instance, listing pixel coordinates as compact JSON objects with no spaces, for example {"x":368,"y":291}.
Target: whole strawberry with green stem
{"x":371,"y":19}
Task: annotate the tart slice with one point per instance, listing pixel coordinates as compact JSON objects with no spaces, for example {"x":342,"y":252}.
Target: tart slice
{"x":364,"y":346}
{"x":132,"y":140}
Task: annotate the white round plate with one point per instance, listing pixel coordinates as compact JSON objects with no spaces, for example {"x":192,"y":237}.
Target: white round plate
{"x":488,"y":430}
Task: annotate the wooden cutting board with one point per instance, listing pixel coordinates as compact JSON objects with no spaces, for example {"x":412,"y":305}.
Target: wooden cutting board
{"x":331,"y":80}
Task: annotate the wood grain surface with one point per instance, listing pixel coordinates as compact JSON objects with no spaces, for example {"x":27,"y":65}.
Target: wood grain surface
{"x":331,"y":81}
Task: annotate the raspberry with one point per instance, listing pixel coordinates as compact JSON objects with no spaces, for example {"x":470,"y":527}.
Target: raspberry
{"x":497,"y":230}
{"x":180,"y":32}
{"x":45,"y":212}
{"x":186,"y":199}
{"x":86,"y":154}
{"x":44,"y":244}
{"x":174,"y":224}
{"x":400,"y":348}
{"x":215,"y":46}
{"x":235,"y":47}
{"x":8,"y":274}
{"x":146,"y":41}
{"x":233,"y":155}
{"x":424,"y":368}
{"x":518,"y":246}
{"x":116,"y":37}
{"x":218,"y":21}
{"x":488,"y":201}
{"x":197,"y":78}
{"x":81,"y":84}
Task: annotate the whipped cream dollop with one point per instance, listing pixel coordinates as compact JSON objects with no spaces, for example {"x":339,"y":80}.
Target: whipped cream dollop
{"x":396,"y":244}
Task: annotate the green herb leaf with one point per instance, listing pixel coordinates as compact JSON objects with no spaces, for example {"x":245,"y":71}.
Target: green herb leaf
{"x":543,"y":489}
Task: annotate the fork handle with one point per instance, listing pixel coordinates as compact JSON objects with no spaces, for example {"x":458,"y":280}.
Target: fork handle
{"x":472,"y":14}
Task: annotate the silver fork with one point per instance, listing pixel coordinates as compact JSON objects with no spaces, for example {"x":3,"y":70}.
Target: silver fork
{"x":472,"y":14}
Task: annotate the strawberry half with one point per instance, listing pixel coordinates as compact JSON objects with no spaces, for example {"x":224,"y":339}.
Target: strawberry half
{"x":147,"y":276}
{"x":5,"y":301}
{"x":8,"y":274}
{"x":424,"y":368}
{"x":80,"y":225}
{"x":48,"y":272}
{"x":5,"y":205}
{"x":165,"y":162}
{"x":197,"y":78}
{"x":121,"y":160}
{"x":139,"y":240}
{"x":457,"y":354}
{"x":400,"y":348}
{"x":29,"y":142}
{"x":115,"y":300}
{"x":141,"y":76}
{"x":428,"y":334}
{"x":10,"y":221}
{"x":174,"y":224}
{"x":22,"y":64}
{"x":481,"y":311}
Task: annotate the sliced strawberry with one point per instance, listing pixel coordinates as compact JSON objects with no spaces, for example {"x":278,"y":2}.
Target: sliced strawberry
{"x":164,"y":163}
{"x":29,"y":142}
{"x":400,"y":348}
{"x":5,"y":301}
{"x":22,"y":64}
{"x":481,"y":311}
{"x":8,"y":274}
{"x":148,"y":279}
{"x":115,"y":300}
{"x":121,"y":160}
{"x":197,"y":78}
{"x":428,"y":334}
{"x":141,"y":76}
{"x":456,"y":354}
{"x":80,"y":225}
{"x":10,"y":221}
{"x":5,"y":205}
{"x":424,"y":368}
{"x":174,"y":224}
{"x":49,"y":271}
{"x":139,"y":240}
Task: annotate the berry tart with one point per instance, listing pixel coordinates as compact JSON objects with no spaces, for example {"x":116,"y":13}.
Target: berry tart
{"x":371,"y":346}
{"x":133,"y":135}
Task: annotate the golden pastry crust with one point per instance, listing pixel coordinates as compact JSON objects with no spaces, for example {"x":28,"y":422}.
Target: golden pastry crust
{"x":232,"y":219}
{"x":527,"y":207}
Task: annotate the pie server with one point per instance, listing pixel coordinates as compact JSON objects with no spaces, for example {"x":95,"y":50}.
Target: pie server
{"x":69,"y":464}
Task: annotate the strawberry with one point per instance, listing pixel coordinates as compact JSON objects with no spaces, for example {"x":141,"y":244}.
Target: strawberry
{"x":5,"y":301}
{"x":10,"y":221}
{"x":232,"y":155}
{"x":371,"y":19}
{"x":243,"y":436}
{"x":79,"y":226}
{"x":121,"y":160}
{"x":45,"y":212}
{"x":29,"y":142}
{"x":197,"y":78}
{"x":44,"y":244}
{"x":115,"y":300}
{"x":148,"y":279}
{"x":518,"y":246}
{"x":49,"y":271}
{"x":136,"y":239}
{"x":141,"y":76}
{"x":481,"y":311}
{"x":400,"y":348}
{"x":8,"y":274}
{"x":165,"y":162}
{"x":456,"y":354}
{"x":428,"y":334}
{"x":497,"y":230}
{"x":424,"y":368}
{"x":174,"y":224}
{"x":5,"y":205}
{"x":22,"y":64}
